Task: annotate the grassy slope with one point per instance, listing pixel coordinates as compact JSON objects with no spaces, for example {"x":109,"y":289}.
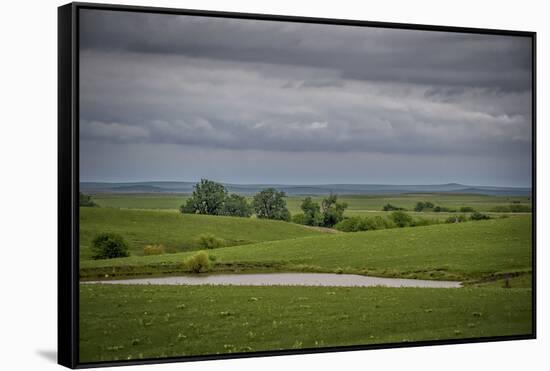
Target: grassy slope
{"x":140,"y":201}
{"x":131,"y":322}
{"x":445,"y":251}
{"x":177,"y":232}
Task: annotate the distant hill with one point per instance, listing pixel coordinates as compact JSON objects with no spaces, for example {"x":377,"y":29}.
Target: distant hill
{"x":313,"y":190}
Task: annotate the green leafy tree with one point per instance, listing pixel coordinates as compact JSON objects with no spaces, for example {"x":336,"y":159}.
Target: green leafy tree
{"x":333,"y":211}
{"x":421,"y":206}
{"x":312,"y":212}
{"x":401,"y":219}
{"x":298,"y":218}
{"x":271,"y":204}
{"x":390,"y":207}
{"x":108,"y":246}
{"x":208,"y":198}
{"x":236,"y":205}
{"x":479,"y":216}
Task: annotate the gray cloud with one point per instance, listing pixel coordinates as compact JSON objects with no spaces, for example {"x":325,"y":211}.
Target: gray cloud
{"x":289,"y":89}
{"x":441,"y":58}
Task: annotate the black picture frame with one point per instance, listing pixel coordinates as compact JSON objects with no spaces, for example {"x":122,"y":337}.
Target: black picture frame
{"x":68,"y":179}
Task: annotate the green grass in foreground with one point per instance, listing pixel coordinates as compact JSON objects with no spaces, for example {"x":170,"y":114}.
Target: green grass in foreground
{"x":178,"y":232}
{"x":133,"y":322}
{"x":465,"y":251}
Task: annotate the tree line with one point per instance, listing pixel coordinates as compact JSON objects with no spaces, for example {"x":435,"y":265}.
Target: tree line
{"x":212,"y":198}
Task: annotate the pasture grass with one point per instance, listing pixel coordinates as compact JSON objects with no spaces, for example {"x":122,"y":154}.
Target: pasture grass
{"x":179,"y":232}
{"x":357,"y":204}
{"x":463,"y":251}
{"x":125,"y":322}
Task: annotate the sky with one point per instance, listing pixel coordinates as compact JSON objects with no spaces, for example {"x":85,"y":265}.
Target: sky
{"x":180,"y":98}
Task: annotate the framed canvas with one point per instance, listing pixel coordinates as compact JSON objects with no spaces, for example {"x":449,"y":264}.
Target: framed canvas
{"x":239,"y":185}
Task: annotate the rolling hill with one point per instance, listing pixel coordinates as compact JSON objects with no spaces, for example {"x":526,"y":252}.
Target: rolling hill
{"x":319,"y":189}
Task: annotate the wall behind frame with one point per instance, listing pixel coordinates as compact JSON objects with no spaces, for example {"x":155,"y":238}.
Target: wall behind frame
{"x":28,"y":159}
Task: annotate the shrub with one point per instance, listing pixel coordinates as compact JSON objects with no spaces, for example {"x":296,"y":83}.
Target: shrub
{"x":198,"y":263}
{"x":349,"y":224}
{"x":401,"y":219}
{"x":85,"y":200}
{"x":441,"y":209}
{"x":209,"y":241}
{"x":390,"y":207}
{"x":368,"y":224}
{"x":153,"y":250}
{"x":188,"y":207}
{"x":382,"y":223}
{"x":299,"y":218}
{"x":236,"y":205}
{"x":421,"y":206}
{"x":456,"y":219}
{"x":108,"y":246}
{"x":359,"y":224}
{"x":479,"y":216}
{"x":467,"y":209}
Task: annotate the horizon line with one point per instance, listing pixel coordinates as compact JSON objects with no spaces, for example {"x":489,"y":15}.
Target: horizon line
{"x":308,"y":184}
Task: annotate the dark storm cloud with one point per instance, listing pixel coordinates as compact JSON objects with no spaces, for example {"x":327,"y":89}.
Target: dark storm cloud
{"x":355,"y":96}
{"x":419,"y":57}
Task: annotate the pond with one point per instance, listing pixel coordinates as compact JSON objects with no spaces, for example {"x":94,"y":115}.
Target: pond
{"x":284,"y":279}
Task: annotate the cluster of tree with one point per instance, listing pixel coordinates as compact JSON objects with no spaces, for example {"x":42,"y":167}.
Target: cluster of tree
{"x":397,"y":219}
{"x":463,"y":218}
{"x":329,"y":213}
{"x":390,"y":207}
{"x":424,"y":206}
{"x":271,"y":204}
{"x":211,"y":198}
{"x":360,"y":224}
{"x":429,"y":206}
{"x":514,"y":208}
{"x":85,"y":200}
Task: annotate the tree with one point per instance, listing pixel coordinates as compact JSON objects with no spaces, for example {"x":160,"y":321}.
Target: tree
{"x":312,"y":212}
{"x":208,"y":198}
{"x":401,"y":219}
{"x":236,"y":205}
{"x":390,"y":207}
{"x":108,"y":246}
{"x":479,"y":216}
{"x":333,"y":211}
{"x":85,"y":200}
{"x":270,"y":204}
{"x":421,"y":206}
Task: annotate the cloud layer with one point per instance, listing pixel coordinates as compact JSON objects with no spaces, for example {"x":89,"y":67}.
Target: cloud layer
{"x":231,"y":86}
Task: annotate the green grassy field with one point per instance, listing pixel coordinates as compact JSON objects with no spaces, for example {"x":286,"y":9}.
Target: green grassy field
{"x":178,"y":232}
{"x":120,"y":322}
{"x":357,"y":205}
{"x":464,"y":251}
{"x":132,"y":322}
